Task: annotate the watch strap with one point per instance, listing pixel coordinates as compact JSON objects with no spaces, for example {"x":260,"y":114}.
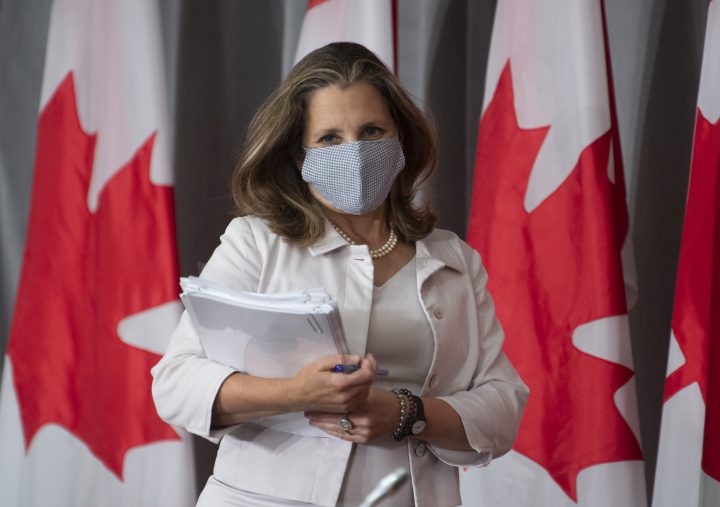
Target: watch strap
{"x":419,"y":415}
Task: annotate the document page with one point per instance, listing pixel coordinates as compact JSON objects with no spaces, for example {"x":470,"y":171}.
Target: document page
{"x":267,"y":335}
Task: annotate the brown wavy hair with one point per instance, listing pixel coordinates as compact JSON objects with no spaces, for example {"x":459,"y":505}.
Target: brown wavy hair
{"x":266,"y":181}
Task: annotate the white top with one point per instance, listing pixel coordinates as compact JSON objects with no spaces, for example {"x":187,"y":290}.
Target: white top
{"x":468,"y":370}
{"x":401,"y":340}
{"x":399,"y":335}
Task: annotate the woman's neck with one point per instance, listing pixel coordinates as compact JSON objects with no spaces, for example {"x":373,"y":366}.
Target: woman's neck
{"x":370,"y":229}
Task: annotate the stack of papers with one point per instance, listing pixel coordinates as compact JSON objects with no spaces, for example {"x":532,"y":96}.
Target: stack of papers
{"x":267,"y":335}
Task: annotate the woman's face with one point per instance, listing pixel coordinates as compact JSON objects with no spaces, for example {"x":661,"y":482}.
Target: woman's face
{"x":335,"y":116}
{"x":356,"y":113}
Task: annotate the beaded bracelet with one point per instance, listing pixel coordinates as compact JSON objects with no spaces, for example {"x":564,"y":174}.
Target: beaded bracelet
{"x":408,"y":413}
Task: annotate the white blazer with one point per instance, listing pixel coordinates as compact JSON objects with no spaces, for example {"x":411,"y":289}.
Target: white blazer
{"x":469,"y":370}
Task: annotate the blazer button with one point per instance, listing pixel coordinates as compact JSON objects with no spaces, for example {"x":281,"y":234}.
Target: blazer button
{"x":438,"y":313}
{"x":420,"y":450}
{"x":433,"y":381}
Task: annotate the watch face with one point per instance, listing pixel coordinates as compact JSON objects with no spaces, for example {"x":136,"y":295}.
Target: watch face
{"x":418,"y":427}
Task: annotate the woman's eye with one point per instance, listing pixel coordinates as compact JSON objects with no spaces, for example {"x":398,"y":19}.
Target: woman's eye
{"x":328,"y":139}
{"x":373,"y":131}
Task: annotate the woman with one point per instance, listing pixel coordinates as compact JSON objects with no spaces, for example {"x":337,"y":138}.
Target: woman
{"x":326,"y":192}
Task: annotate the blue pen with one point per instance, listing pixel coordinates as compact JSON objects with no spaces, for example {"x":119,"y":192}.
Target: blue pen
{"x":351,"y":368}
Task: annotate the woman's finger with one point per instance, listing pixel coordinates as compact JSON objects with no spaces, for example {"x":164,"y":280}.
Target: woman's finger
{"x":328,"y":363}
{"x":323,"y":416}
{"x":369,"y":364}
{"x":330,"y":422}
{"x":356,"y":435}
{"x":333,"y":419}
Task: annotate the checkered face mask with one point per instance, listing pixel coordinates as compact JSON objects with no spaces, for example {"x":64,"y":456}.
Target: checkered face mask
{"x":354,"y":177}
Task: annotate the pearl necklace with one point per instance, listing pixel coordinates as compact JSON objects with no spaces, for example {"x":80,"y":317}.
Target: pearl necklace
{"x":388,"y":247}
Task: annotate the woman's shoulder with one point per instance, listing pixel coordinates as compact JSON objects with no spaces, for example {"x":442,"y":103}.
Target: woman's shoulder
{"x":441,"y":235}
{"x":247,"y":225}
{"x":247,"y":234}
{"x":448,"y":246}
{"x":449,"y":239}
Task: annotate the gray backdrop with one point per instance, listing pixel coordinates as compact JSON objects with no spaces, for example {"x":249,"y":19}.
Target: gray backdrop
{"x":223,"y":57}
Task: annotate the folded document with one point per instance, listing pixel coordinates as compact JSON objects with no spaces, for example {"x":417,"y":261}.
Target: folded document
{"x":267,"y":335}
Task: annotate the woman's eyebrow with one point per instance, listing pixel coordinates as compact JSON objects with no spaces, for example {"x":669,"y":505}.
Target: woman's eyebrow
{"x":373,"y":123}
{"x":324,"y":132}
{"x":335,"y":130}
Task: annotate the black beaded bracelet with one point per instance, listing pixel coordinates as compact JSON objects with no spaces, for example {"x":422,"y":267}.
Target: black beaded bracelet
{"x":408,"y":414}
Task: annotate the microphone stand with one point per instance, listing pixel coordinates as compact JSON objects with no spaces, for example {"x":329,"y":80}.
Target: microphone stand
{"x":387,"y":485}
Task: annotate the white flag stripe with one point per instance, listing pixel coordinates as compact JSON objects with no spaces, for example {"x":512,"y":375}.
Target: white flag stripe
{"x":592,"y":338}
{"x":677,"y":475}
{"x":708,"y":96}
{"x":123,"y":103}
{"x":40,"y":478}
{"x":559,"y":79}
{"x":710,"y":490}
{"x":152,"y":328}
{"x":114,"y":50}
{"x":676,"y":358}
{"x":556,"y":54}
{"x":518,"y":481}
{"x":367,"y":22}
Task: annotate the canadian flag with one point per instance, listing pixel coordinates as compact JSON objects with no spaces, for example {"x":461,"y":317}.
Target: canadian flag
{"x":549,"y":218}
{"x":97,"y":296}
{"x":367,"y":22}
{"x":688,"y":466}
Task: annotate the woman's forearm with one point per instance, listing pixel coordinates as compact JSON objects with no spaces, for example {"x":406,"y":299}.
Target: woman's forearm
{"x":244,"y":397}
{"x":444,"y":427}
{"x":315,"y":387}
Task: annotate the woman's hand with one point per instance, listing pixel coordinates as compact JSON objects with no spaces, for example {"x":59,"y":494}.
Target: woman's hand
{"x":316,"y":387}
{"x":376,"y":417}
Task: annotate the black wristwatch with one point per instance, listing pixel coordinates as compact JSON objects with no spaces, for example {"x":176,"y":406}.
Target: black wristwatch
{"x":420,"y":421}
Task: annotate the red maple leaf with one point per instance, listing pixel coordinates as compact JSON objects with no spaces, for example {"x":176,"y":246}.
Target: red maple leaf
{"x":552,"y":270}
{"x":697,"y":294}
{"x":82,"y":273}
